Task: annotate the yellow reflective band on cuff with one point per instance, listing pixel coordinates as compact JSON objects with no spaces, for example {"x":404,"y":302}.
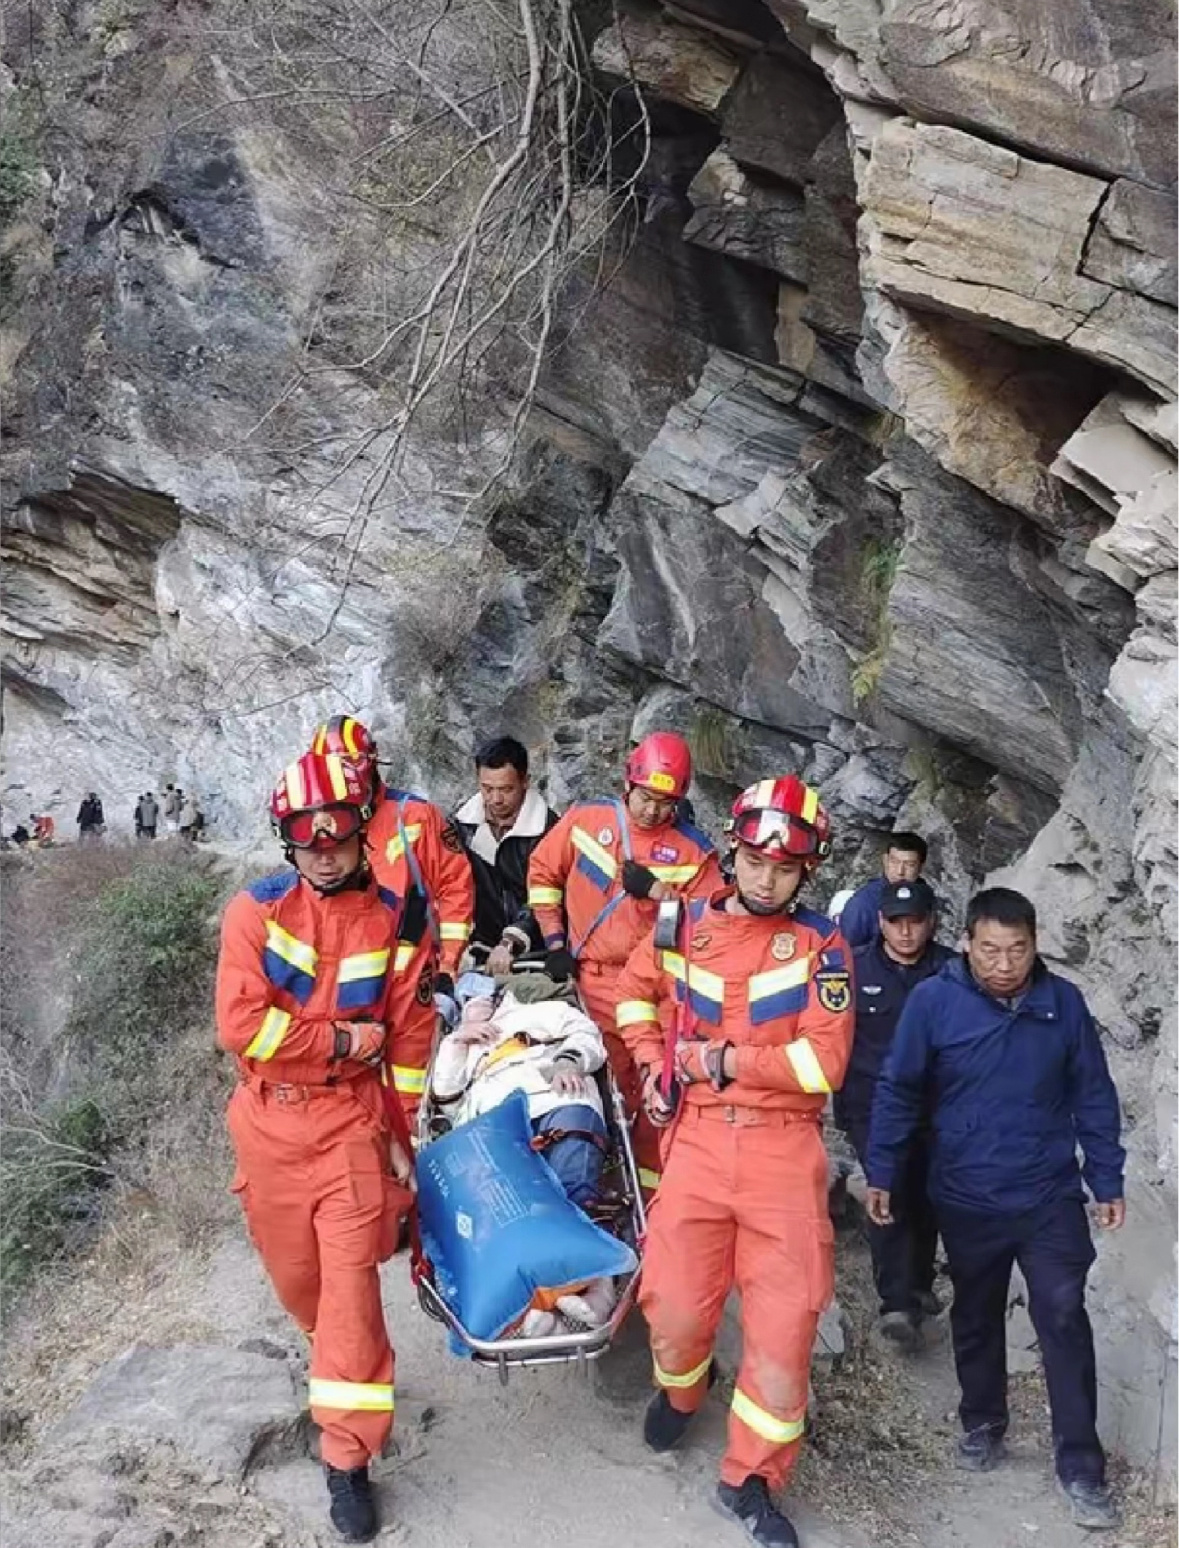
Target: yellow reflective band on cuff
{"x":409,"y":1080}
{"x":649,"y":1179}
{"x":778,"y":1431}
{"x":674,"y":875}
{"x":630,"y":1012}
{"x":454,"y":932}
{"x":404,"y":955}
{"x":370,"y":1396}
{"x":545,"y":897}
{"x":689,"y":1379}
{"x":268,"y":1039}
{"x":806,"y":1067}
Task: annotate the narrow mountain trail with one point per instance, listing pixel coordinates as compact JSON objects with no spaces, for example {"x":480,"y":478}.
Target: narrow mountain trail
{"x":197,"y":1437}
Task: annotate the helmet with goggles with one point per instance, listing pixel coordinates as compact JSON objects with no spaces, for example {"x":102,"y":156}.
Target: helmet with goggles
{"x":662,"y":764}
{"x":320,"y":801}
{"x":781,"y":819}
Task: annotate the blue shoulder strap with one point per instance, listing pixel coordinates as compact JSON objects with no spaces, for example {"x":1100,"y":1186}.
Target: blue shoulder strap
{"x":415,"y":872}
{"x":620,"y":896}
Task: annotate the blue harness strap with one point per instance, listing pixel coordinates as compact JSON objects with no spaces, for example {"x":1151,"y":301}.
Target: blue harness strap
{"x":415,"y":872}
{"x":619,"y":897}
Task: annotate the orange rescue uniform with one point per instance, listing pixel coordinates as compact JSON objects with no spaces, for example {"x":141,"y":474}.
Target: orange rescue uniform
{"x":408,"y":835}
{"x":575,"y":892}
{"x":743,"y":1199}
{"x":311,"y":1135}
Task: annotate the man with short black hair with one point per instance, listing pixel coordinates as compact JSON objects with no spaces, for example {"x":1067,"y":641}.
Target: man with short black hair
{"x":500,"y":826}
{"x":902,"y":955}
{"x":1004,"y":1057}
{"x":903,"y":861}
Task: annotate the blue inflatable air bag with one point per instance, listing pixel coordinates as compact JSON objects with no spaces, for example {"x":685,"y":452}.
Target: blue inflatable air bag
{"x":497,"y":1225}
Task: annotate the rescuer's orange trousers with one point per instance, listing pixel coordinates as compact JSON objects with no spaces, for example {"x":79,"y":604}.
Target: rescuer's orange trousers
{"x":597,"y":984}
{"x":323,"y":1211}
{"x":743,"y":1203}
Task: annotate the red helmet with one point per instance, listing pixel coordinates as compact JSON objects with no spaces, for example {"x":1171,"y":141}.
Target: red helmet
{"x":319,"y":802}
{"x":781,"y":818}
{"x":350,"y":740}
{"x":662,"y":764}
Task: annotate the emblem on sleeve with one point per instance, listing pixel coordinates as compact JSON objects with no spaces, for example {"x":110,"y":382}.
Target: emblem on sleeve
{"x":606,"y":836}
{"x":782,"y":947}
{"x":834,"y":991}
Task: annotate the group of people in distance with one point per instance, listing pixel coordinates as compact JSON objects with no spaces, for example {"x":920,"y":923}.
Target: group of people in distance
{"x":731,"y":1011}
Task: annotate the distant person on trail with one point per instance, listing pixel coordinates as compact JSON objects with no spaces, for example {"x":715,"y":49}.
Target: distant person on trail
{"x":90,"y":819}
{"x":189,"y":817}
{"x":1002,"y":1060}
{"x":903,"y":861}
{"x":147,"y":814}
{"x":43,"y":830}
{"x":500,"y":827}
{"x":20,"y":835}
{"x":318,"y":966}
{"x":172,"y":799}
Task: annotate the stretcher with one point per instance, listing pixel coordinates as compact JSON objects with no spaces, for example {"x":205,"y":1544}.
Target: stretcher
{"x":618,"y":1209}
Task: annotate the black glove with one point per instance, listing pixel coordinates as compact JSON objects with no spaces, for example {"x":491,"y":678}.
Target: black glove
{"x":444,"y":984}
{"x":560,"y":965}
{"x":637,"y":879}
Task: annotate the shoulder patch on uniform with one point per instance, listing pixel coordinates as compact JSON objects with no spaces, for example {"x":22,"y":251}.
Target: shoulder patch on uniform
{"x":691,"y":831}
{"x":388,"y":897}
{"x":268,"y":889}
{"x":452,"y":839}
{"x":834,"y":991}
{"x":815,"y":920}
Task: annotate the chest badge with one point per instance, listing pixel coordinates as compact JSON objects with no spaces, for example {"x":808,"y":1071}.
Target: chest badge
{"x":606,"y":836}
{"x":664,"y":854}
{"x":782,"y":947}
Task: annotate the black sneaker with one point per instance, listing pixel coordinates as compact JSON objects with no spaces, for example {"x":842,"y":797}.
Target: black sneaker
{"x":352,"y":1511}
{"x":1091,"y":1504}
{"x":749,"y":1505}
{"x":665,"y":1426}
{"x":980,"y":1450}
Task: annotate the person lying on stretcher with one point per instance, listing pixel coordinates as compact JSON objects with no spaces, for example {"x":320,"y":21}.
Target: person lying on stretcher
{"x":549,"y":1050}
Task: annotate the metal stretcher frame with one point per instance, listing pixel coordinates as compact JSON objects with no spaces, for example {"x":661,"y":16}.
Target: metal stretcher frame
{"x":568,"y":1348}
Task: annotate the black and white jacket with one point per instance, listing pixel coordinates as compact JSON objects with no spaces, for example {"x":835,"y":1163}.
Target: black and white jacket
{"x":501,"y":869}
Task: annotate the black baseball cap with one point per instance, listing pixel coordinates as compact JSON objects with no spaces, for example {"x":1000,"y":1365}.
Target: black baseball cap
{"x":916,"y":899}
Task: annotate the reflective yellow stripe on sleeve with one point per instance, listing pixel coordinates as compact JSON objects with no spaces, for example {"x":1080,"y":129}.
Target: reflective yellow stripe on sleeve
{"x":366,"y":964}
{"x":649,"y":1179}
{"x":370,"y":1396}
{"x":780,"y":1432}
{"x":409,"y":1080}
{"x":805,"y":1064}
{"x":404,"y":955}
{"x":395,"y":848}
{"x":674,"y":875}
{"x":688,"y":1379}
{"x":631,"y":1012}
{"x":268,"y":1039}
{"x":454,"y":932}
{"x":287,"y":946}
{"x":594,"y":852}
{"x":545,"y":897}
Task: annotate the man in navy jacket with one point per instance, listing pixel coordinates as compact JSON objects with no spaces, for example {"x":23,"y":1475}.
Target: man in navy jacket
{"x":903,"y":861}
{"x":1004,"y":1058}
{"x":901,"y":955}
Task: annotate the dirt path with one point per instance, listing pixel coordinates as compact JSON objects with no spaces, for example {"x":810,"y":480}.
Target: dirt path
{"x":553,"y":1458}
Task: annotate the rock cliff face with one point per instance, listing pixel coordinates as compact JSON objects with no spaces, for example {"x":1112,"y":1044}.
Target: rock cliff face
{"x":864,"y":465}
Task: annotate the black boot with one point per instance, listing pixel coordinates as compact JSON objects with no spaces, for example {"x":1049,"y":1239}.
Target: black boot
{"x":663,"y":1425}
{"x":749,"y":1504}
{"x":353,"y":1514}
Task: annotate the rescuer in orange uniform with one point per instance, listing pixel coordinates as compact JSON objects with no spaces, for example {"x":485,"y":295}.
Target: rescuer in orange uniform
{"x":317,"y":965}
{"x":594,"y":882}
{"x":755,"y":994}
{"x":412,"y":842}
